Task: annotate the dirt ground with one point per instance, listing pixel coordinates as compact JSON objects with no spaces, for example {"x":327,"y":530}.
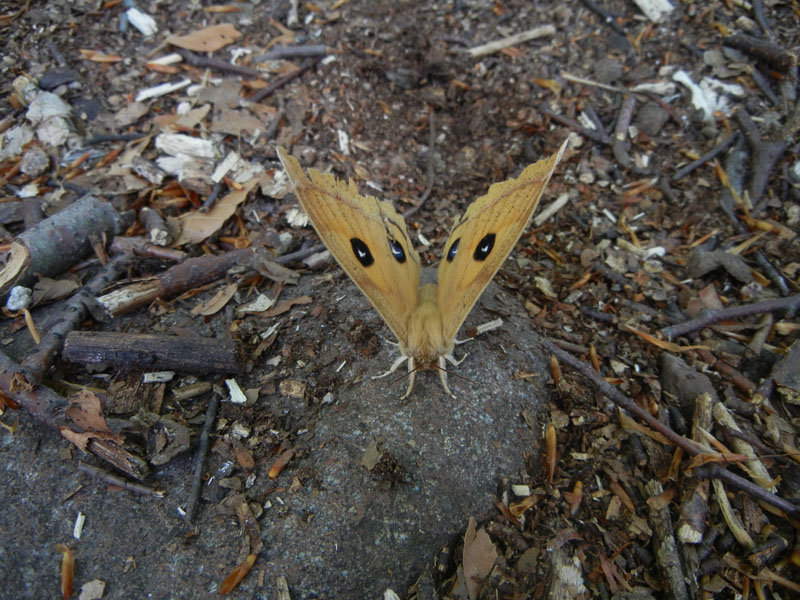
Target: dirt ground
{"x":531,"y":482}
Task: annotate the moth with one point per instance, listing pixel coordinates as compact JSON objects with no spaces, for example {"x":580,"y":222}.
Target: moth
{"x":370,"y":241}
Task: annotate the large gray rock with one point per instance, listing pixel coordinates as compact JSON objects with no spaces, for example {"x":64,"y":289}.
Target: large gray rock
{"x":346,"y":533}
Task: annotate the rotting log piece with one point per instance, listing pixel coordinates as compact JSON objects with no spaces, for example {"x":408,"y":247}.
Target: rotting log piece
{"x":56,"y":243}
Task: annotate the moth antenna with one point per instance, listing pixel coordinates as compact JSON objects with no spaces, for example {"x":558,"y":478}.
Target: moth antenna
{"x":454,"y":374}
{"x":403,"y":376}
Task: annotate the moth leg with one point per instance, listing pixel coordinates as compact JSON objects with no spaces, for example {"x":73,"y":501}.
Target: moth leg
{"x":394,"y":366}
{"x":411,"y":374}
{"x":452,"y":359}
{"x":443,"y":372}
{"x":489,"y":326}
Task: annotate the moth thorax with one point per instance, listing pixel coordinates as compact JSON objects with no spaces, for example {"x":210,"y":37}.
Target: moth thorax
{"x":425,"y":330}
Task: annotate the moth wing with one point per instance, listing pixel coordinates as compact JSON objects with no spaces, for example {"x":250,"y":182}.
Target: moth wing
{"x":367,"y":238}
{"x":483,"y":237}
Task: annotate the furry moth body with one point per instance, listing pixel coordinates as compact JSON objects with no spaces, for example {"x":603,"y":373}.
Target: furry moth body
{"x":371,"y":243}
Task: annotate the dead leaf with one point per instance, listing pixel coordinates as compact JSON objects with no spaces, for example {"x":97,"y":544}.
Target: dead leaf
{"x":552,"y":452}
{"x":663,"y":344}
{"x":47,"y":290}
{"x":479,"y":557}
{"x":549,"y":84}
{"x":217,"y":302}
{"x":86,"y":410}
{"x":67,"y":570}
{"x":661,"y":501}
{"x":628,"y":424}
{"x":236,"y":576}
{"x":197,"y":226}
{"x":280,"y":463}
{"x":620,"y":493}
{"x":235,"y":122}
{"x":519,"y":508}
{"x":284,"y":305}
{"x":708,"y":457}
{"x":207,"y":39}
{"x":274,"y":271}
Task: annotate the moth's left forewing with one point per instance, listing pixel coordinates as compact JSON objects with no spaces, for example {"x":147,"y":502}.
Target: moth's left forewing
{"x":484,"y":236}
{"x":367,"y":238}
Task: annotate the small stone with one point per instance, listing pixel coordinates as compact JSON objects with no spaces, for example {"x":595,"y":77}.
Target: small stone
{"x":651,"y":118}
{"x":608,"y":70}
{"x":34,"y":162}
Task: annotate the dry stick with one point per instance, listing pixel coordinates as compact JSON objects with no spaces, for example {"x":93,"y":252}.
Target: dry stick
{"x":281,"y":81}
{"x":601,"y":137}
{"x":764,"y":85}
{"x":723,"y":368}
{"x":710,"y":155}
{"x":177,"y":279}
{"x":200,"y":457}
{"x":429,"y":187}
{"x":595,"y":119}
{"x":772,"y":54}
{"x":212,"y":197}
{"x":115,"y":137}
{"x":37,"y":363}
{"x":295,"y":52}
{"x":113,"y":479}
{"x":618,"y":144}
{"x":733,"y":312}
{"x":207,"y":62}
{"x":300,"y":254}
{"x":765,"y":155}
{"x":687,"y":445}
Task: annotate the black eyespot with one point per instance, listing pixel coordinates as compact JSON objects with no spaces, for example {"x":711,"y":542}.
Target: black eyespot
{"x":484,"y":247}
{"x":451,"y":252}
{"x":397,"y":251}
{"x":361,"y":252}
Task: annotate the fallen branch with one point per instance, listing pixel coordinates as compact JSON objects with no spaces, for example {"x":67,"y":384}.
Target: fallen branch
{"x":114,"y":479}
{"x":710,"y":155}
{"x":200,"y":456}
{"x":124,"y":351}
{"x":73,"y":314}
{"x":765,"y":155}
{"x":208,"y":62}
{"x":48,"y":407}
{"x":732,"y":312}
{"x":512,"y":40}
{"x":619,"y":143}
{"x":770,"y":53}
{"x":601,"y":137}
{"x":282,"y":81}
{"x":185,"y":276}
{"x":58,"y":242}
